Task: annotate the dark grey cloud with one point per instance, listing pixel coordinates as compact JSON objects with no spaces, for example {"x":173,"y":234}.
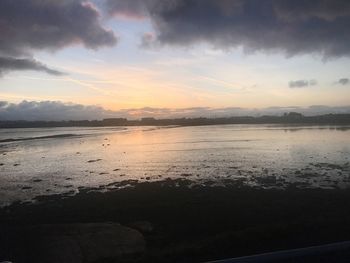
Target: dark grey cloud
{"x":11,"y":64}
{"x":27,"y":26}
{"x":3,"y":103}
{"x":139,"y":8}
{"x":56,"y":110}
{"x":302,"y":83}
{"x":49,"y":110}
{"x":290,"y":26}
{"x":343,"y":81}
{"x":131,"y":8}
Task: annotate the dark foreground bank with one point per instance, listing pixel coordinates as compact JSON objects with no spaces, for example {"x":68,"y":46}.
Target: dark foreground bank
{"x":170,"y":222}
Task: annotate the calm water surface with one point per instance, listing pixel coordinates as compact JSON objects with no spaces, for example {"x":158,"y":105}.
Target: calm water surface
{"x":55,"y":160}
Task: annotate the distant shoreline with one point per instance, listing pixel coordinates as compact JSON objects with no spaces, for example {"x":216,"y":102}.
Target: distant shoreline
{"x":290,"y":118}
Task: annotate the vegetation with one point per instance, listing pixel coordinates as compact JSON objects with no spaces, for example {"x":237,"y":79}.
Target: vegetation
{"x":287,"y":118}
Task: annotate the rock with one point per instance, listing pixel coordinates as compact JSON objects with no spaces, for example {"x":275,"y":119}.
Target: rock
{"x":267,"y":180}
{"x":209,"y":183}
{"x":75,"y":243}
{"x":37,"y":180}
{"x":142,"y":226}
{"x":93,"y":161}
{"x":307,"y":175}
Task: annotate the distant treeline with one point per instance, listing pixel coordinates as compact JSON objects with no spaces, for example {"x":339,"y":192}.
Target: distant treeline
{"x":287,"y":118}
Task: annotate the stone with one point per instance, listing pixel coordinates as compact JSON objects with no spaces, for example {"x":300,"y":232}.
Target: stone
{"x":77,"y":243}
{"x":142,"y":226}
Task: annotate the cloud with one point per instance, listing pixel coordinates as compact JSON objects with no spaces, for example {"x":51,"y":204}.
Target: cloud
{"x":3,"y":103}
{"x":135,"y":9}
{"x":27,"y":26}
{"x":35,"y":25}
{"x":302,"y":83}
{"x":10,"y":64}
{"x":289,"y":26}
{"x":343,"y":81}
{"x":56,"y":111}
{"x":147,"y":40}
{"x":49,"y":110}
{"x":298,"y":84}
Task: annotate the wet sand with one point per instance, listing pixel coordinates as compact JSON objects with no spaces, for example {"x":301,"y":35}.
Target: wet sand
{"x":194,"y":224}
{"x":57,"y":160}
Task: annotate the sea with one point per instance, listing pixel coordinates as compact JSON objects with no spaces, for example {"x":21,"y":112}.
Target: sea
{"x":46,"y":161}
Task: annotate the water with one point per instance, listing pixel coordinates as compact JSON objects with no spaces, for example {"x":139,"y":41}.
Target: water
{"x":56,"y":160}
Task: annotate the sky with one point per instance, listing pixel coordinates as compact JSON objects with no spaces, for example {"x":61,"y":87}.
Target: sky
{"x":74,"y":59}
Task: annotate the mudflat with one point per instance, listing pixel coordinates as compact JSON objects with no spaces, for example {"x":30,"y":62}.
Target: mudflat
{"x":181,"y":222}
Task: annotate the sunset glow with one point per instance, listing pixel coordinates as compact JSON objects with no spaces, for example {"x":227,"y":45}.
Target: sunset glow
{"x":133,"y":73}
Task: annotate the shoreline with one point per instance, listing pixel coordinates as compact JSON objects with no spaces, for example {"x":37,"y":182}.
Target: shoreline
{"x":292,"y":118}
{"x":201,"y":223}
